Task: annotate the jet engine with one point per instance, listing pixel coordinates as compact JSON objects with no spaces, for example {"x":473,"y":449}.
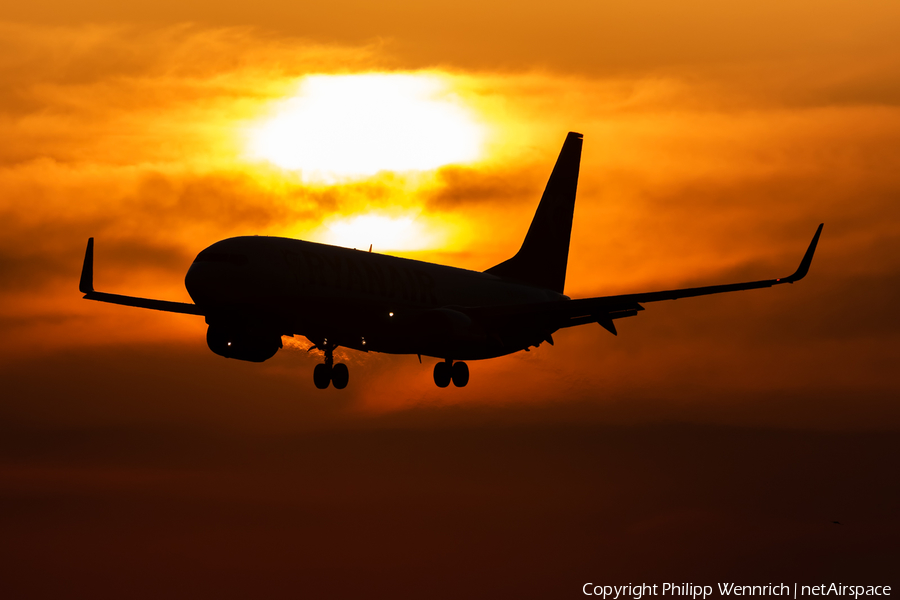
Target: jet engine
{"x":242,"y":343}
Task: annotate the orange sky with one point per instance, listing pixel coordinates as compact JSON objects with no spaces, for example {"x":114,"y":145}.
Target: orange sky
{"x":717,"y":136}
{"x":706,"y":171}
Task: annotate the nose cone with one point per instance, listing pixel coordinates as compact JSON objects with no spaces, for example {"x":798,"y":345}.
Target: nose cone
{"x":197,"y":282}
{"x":221,"y":274}
{"x":215,"y":283}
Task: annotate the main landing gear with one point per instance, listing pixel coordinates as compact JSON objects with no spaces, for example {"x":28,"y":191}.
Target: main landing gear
{"x":447,"y":371}
{"x":328,"y":372}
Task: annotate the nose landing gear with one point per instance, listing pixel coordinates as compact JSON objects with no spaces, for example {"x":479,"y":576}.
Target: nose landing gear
{"x":328,"y":372}
{"x":447,"y":371}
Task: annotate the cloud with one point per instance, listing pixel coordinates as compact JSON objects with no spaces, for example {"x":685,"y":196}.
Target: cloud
{"x":460,"y":185}
{"x":717,"y":135}
{"x":133,"y":135}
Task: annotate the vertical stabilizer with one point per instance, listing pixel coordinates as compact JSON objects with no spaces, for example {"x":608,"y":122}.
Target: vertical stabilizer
{"x":541,"y":261}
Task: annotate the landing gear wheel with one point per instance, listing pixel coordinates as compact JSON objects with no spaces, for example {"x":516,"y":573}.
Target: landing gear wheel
{"x":340,"y":375}
{"x":442,"y":374}
{"x":460,"y":374}
{"x":322,"y":376}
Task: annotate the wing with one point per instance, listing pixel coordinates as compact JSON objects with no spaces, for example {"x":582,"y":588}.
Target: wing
{"x":568,"y":313}
{"x":86,"y":286}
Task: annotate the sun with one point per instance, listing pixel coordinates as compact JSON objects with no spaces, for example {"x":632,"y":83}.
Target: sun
{"x":357,"y":125}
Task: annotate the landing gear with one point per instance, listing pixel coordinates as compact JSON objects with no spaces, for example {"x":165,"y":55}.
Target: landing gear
{"x":460,"y":374}
{"x":328,"y":372}
{"x":340,"y":375}
{"x":322,"y":376}
{"x":447,"y":371}
{"x":442,"y":374}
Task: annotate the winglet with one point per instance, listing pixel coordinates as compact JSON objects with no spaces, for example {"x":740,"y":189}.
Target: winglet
{"x":803,"y":269}
{"x":86,"y":286}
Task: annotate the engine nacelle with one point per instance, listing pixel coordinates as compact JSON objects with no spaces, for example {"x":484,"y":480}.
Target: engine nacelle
{"x":241,"y":343}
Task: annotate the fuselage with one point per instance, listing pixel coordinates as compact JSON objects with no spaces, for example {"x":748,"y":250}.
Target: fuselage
{"x":357,"y":299}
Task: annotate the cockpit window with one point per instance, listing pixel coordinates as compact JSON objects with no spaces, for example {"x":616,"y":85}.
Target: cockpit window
{"x":221,"y":257}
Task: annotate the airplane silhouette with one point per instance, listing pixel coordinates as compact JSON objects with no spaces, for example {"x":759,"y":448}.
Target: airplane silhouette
{"x":254,"y":290}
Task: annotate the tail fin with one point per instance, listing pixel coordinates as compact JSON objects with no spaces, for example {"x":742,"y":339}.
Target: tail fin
{"x":541,"y":261}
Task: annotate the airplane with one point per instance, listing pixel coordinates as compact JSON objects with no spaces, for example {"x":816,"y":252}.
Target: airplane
{"x":253,"y":290}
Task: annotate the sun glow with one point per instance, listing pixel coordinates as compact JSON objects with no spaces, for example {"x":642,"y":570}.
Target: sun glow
{"x":382,"y":232}
{"x":357,"y":125}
